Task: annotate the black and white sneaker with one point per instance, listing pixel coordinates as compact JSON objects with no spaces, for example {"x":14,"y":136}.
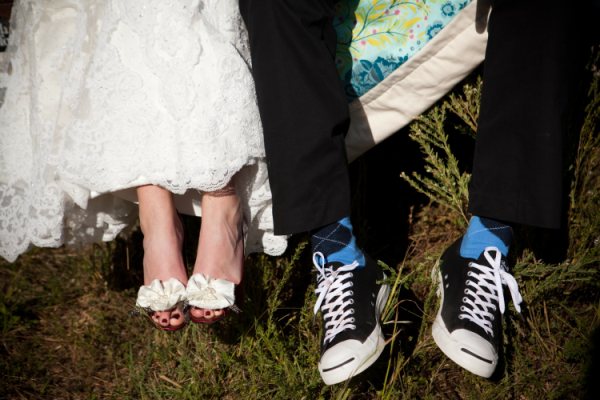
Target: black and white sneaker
{"x":469,"y":322}
{"x":351,"y":301}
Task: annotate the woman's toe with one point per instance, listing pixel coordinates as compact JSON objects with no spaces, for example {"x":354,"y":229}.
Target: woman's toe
{"x":161,"y":318}
{"x":177,"y":319}
{"x":197,"y":312}
{"x":205,"y":313}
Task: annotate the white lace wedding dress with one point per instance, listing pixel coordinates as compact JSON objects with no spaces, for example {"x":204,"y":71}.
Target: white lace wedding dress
{"x":106,"y":95}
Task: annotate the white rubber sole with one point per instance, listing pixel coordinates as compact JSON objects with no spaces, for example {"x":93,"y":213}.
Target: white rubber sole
{"x":465,"y":348}
{"x":356,"y":356}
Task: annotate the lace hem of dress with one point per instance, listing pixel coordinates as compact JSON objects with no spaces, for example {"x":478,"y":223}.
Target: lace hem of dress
{"x":58,"y":140}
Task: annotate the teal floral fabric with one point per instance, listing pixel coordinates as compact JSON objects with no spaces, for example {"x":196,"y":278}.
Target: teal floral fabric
{"x":375,"y":37}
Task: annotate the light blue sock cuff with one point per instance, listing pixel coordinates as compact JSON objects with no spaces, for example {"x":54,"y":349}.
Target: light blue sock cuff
{"x":480,"y":236}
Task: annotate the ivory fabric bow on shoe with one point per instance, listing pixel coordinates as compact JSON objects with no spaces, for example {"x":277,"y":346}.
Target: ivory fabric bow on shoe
{"x":204,"y":292}
{"x":163,"y":296}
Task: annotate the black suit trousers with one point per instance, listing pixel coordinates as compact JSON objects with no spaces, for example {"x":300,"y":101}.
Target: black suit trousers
{"x":532,"y":65}
{"x":303,"y":110}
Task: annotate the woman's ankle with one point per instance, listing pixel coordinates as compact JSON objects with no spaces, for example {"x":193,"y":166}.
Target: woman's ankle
{"x":221,"y":245}
{"x":163,"y":235}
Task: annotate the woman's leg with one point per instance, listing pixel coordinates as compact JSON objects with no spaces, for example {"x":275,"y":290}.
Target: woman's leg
{"x":221,"y":245}
{"x":163,"y":238}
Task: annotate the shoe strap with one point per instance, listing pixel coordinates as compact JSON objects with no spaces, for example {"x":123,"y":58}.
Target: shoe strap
{"x":161,"y":295}
{"x":212,"y":294}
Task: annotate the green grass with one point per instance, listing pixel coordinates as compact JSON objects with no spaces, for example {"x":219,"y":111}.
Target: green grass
{"x":68,"y":331}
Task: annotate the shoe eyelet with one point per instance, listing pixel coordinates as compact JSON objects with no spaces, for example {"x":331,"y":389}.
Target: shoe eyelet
{"x":351,"y":301}
{"x":461,"y":316}
{"x":464,"y":299}
{"x":462,"y":308}
{"x":466,"y":291}
{"x":351,"y":293}
{"x":352,"y":311}
{"x":352,"y":319}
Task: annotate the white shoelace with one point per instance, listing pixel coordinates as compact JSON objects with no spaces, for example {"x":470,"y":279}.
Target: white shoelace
{"x":492,"y":278}
{"x":334,"y":296}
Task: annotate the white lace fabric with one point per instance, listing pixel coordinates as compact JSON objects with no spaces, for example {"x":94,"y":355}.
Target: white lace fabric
{"x":109,"y":95}
{"x":334,"y":296}
{"x":484,"y":290}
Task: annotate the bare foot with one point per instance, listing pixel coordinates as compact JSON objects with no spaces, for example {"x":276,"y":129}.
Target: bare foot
{"x":221,"y":244}
{"x":163,"y":238}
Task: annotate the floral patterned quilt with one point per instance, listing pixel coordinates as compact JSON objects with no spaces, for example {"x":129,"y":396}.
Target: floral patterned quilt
{"x":375,"y":37}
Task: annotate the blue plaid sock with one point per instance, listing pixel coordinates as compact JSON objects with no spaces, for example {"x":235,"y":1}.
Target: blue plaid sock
{"x":337,"y":243}
{"x":484,"y":232}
